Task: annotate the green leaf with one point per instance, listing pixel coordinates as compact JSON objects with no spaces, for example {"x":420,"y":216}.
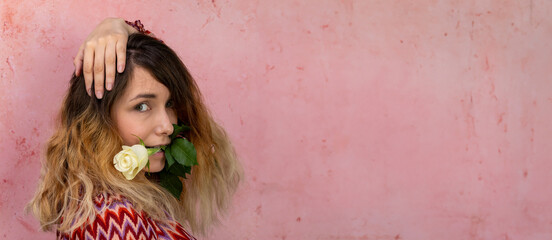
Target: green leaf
{"x":141,"y":141}
{"x":183,"y":151}
{"x":180,"y":170}
{"x":172,"y":183}
{"x":152,"y":151}
{"x":178,"y":129}
{"x":169,"y":158}
{"x":180,"y":151}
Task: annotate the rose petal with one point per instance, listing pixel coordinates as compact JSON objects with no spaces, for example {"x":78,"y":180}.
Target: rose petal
{"x":141,"y":154}
{"x":131,"y":160}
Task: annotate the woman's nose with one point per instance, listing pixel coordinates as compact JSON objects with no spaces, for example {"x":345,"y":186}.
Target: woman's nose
{"x":165,"y":126}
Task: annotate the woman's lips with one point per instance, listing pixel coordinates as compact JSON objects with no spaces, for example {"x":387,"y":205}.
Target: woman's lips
{"x":160,"y":153}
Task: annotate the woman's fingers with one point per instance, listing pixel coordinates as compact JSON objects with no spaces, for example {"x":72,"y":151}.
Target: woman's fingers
{"x":99,"y":67}
{"x":121,"y":53}
{"x":78,"y":60}
{"x":98,"y":61}
{"x":103,"y":55}
{"x":88,"y":65}
{"x":110,"y":64}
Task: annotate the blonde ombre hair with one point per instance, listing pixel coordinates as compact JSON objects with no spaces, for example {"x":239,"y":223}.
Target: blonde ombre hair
{"x":79,"y":156}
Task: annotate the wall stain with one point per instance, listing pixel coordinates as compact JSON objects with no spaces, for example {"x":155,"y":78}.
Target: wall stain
{"x":500,"y":118}
{"x":10,"y":65}
{"x":26,"y":225}
{"x":476,"y":225}
{"x":467,"y":107}
{"x":26,"y":152}
{"x":259,"y":210}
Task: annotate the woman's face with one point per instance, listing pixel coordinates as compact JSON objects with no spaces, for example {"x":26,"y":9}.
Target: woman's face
{"x":145,"y":110}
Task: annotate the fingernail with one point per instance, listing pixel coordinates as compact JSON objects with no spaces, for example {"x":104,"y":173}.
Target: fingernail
{"x":120,"y":68}
{"x":99,"y":94}
{"x":89,"y":91}
{"x":109,"y":86}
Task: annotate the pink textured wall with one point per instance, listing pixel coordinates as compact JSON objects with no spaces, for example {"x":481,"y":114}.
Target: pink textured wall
{"x":354,"y":119}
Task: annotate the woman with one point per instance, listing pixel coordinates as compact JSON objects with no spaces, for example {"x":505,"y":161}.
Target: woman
{"x":83,"y":193}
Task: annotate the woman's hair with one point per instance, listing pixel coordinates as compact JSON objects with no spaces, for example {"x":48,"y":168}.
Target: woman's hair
{"x":79,"y":156}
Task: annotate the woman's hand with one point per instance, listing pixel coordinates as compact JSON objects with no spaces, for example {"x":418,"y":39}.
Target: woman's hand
{"x":97,"y":56}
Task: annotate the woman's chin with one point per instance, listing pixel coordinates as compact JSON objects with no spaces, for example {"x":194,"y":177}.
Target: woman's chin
{"x":156,"y":162}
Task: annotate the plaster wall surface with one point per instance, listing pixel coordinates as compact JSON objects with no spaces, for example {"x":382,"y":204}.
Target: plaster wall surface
{"x":353,"y":119}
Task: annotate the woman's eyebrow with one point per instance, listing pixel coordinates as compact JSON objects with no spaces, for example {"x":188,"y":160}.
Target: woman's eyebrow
{"x":143,"y":95}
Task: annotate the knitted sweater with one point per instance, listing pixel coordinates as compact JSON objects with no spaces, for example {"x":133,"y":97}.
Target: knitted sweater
{"x":116,"y":218}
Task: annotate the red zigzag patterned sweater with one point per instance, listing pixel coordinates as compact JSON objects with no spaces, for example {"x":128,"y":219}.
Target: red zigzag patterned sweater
{"x":117,"y":219}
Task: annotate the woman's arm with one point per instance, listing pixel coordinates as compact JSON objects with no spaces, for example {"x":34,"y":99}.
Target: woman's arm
{"x":101,"y":51}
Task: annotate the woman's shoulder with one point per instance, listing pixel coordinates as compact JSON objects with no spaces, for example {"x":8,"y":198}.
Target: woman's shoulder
{"x":117,"y":218}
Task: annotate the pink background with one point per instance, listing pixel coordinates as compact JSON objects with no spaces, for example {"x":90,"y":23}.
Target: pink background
{"x":353,"y":119}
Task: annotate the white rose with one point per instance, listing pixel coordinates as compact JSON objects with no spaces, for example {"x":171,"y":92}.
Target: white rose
{"x":131,"y":160}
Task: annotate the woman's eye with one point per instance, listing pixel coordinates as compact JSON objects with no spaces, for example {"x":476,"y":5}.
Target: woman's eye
{"x":142,"y":107}
{"x":169,"y":104}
